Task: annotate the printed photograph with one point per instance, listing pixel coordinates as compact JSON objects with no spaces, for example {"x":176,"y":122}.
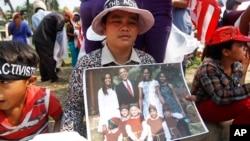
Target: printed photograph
{"x":145,"y":102}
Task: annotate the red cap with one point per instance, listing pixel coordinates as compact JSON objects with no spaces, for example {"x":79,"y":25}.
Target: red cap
{"x":16,"y":15}
{"x":227,"y":33}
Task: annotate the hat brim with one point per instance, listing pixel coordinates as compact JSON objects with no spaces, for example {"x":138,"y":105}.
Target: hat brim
{"x":145,"y":21}
{"x":242,"y":38}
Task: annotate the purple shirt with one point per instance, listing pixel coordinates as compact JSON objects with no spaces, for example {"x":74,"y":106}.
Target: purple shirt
{"x":22,"y":33}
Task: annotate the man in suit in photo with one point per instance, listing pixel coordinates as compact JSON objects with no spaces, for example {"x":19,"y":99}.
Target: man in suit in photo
{"x":126,"y":90}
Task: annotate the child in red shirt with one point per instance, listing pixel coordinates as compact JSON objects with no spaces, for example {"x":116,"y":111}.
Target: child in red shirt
{"x":114,"y":133}
{"x":136,"y":126}
{"x":24,"y":108}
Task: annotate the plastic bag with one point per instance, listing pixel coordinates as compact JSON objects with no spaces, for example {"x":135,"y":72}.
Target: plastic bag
{"x":179,"y":44}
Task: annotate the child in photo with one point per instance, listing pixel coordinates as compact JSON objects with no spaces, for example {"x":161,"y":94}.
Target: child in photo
{"x":158,"y":130}
{"x":136,"y":126}
{"x":124,"y":110}
{"x":113,"y":133}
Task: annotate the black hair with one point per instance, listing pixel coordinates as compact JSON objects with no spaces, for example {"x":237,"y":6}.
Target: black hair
{"x":215,"y":51}
{"x":104,"y":18}
{"x":152,"y":108}
{"x":118,"y":72}
{"x":104,"y":87}
{"x":149,"y":70}
{"x":14,"y":52}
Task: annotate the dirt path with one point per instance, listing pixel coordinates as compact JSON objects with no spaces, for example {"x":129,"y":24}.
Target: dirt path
{"x":60,"y":88}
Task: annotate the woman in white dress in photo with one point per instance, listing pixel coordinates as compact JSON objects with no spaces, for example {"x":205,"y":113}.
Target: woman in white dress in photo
{"x":107,"y":102}
{"x":149,"y":93}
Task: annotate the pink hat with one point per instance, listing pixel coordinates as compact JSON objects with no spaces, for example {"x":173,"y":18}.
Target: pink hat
{"x":227,"y":33}
{"x":145,"y":21}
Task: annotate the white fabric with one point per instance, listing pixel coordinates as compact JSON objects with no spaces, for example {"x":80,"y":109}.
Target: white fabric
{"x":177,"y":115}
{"x":237,"y":22}
{"x":106,"y":109}
{"x":61,"y":47}
{"x":150,"y":96}
{"x":82,"y":51}
{"x":243,"y":0}
{"x":91,"y":35}
{"x":59,"y":136}
{"x":179,"y":44}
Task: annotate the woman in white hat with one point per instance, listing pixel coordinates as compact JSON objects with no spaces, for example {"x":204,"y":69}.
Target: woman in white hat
{"x":120,"y":21}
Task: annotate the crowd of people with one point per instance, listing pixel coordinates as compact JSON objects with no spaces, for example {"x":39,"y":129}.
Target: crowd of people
{"x":135,"y":32}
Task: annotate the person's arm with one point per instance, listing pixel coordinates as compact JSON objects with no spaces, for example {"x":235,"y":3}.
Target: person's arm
{"x":190,"y":98}
{"x":244,"y":22}
{"x":102,"y":111}
{"x":70,"y":30}
{"x":9,"y":29}
{"x":180,"y":3}
{"x":158,"y":91}
{"x":176,"y":98}
{"x":28,"y":30}
{"x":120,"y":137}
{"x":245,"y":63}
{"x":34,"y":22}
{"x":72,"y":119}
{"x":57,"y":123}
{"x":130,"y":132}
{"x":150,"y":138}
{"x":140,"y":96}
{"x":166,"y":131}
{"x":144,"y":131}
{"x":217,"y":89}
{"x":55,"y":111}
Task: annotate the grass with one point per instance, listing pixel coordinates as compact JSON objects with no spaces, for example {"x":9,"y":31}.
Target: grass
{"x":195,"y":63}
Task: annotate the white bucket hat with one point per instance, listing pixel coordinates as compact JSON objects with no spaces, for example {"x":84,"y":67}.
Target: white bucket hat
{"x":145,"y":21}
{"x":39,"y":4}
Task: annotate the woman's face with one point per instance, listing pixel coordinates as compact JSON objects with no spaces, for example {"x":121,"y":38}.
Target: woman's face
{"x":121,"y":30}
{"x":107,"y":80}
{"x":162,"y":78}
{"x":146,"y":74}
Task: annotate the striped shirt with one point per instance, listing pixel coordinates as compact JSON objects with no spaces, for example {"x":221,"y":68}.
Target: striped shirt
{"x":40,"y":104}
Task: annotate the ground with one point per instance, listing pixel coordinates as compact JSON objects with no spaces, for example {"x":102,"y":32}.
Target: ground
{"x":60,"y":88}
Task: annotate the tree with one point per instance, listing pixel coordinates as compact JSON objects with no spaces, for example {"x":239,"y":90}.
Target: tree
{"x":10,"y":5}
{"x":52,"y":5}
{"x":55,"y":5}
